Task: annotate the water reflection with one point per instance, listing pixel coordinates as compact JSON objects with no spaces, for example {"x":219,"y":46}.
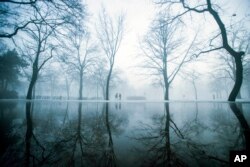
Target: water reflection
{"x":80,"y":152}
{"x":99,"y":134}
{"x":74,"y":143}
{"x":238,"y":112}
{"x":35,"y":154}
{"x":193,"y":143}
{"x":109,"y":154}
{"x":156,"y":141}
{"x":7,"y":123}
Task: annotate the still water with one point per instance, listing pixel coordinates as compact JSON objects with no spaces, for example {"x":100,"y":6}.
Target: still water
{"x":61,"y":133}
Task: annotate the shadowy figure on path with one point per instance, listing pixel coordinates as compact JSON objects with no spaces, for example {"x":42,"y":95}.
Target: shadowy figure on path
{"x":116,"y":96}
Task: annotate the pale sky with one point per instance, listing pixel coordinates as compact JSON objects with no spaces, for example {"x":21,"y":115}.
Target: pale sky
{"x":139,"y":14}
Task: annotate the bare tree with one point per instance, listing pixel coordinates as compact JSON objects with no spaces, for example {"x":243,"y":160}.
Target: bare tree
{"x":68,"y":83}
{"x":10,"y":11}
{"x":160,"y":51}
{"x":37,"y":45}
{"x":99,"y":77}
{"x":37,"y":38}
{"x":82,"y":58}
{"x":239,"y":39}
{"x":110,"y":33}
{"x":192,"y":76}
{"x":211,"y":9}
{"x":16,"y":15}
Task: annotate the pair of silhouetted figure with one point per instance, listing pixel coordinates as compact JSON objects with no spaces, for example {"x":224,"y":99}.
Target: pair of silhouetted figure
{"x":118,"y":106}
{"x":118,"y":96}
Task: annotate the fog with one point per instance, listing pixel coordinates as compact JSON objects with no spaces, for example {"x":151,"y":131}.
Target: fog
{"x":124,"y":83}
{"x":132,"y":79}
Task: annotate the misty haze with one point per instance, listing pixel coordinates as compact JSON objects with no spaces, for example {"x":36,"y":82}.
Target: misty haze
{"x":124,"y":83}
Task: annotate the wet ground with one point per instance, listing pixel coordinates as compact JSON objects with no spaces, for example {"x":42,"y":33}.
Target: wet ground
{"x":70,"y":133}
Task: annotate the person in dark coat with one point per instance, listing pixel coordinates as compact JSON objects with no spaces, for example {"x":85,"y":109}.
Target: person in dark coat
{"x":120,"y":96}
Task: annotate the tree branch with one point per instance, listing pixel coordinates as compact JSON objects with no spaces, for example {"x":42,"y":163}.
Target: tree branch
{"x":46,"y":59}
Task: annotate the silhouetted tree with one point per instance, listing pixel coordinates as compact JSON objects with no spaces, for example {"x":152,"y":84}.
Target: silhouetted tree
{"x":38,"y":52}
{"x":156,"y":141}
{"x":43,"y":35}
{"x":13,"y":13}
{"x":160,"y":51}
{"x":10,"y":68}
{"x":110,"y":33}
{"x":192,"y":76}
{"x":219,"y":84}
{"x":239,"y":39}
{"x":238,"y":112}
{"x":82,"y":51}
{"x":207,"y":7}
{"x":99,"y":77}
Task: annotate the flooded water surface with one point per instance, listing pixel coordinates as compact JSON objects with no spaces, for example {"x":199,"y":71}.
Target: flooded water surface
{"x":63,"y":133}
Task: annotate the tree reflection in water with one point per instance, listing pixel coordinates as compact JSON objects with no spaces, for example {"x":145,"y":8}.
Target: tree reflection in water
{"x":74,"y":145}
{"x":238,"y":112}
{"x":79,"y":138}
{"x":86,"y":134}
{"x":194,"y":144}
{"x":8,"y":137}
{"x":69,"y":146}
{"x":92,"y":143}
{"x":32,"y":156}
{"x":156,"y":140}
{"x":109,"y":158}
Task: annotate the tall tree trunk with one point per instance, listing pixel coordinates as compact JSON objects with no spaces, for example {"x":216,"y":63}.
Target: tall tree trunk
{"x":237,"y":55}
{"x":165,"y":74}
{"x":34,"y":91}
{"x":32,"y":83}
{"x":166,"y":85}
{"x":108,"y":81}
{"x":166,"y":94}
{"x":35,"y":71}
{"x":239,"y":78}
{"x":195,"y":91}
{"x":80,"y":86}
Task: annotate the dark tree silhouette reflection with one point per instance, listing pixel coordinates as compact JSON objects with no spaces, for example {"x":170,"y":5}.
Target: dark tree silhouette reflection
{"x":109,"y":153}
{"x":7,"y":115}
{"x":74,"y":146}
{"x":195,"y":142}
{"x":95,"y":134}
{"x":33,"y":156}
{"x":156,"y":141}
{"x":238,"y":112}
{"x":89,"y":142}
